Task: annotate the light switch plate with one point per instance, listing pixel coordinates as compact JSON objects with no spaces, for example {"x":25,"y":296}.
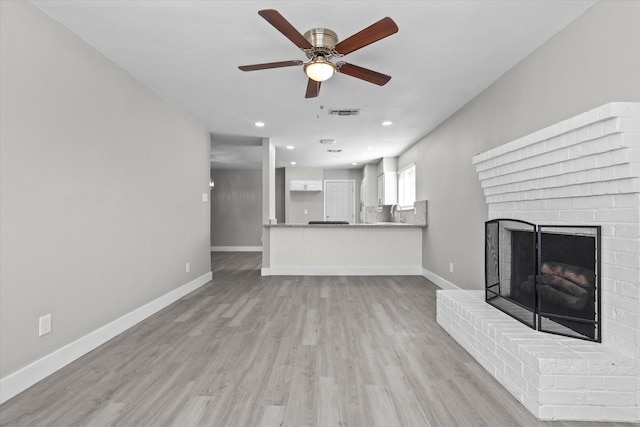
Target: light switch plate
{"x":205,"y":197}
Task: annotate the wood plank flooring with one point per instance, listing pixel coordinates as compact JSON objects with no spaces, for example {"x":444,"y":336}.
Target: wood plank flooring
{"x":247,"y":350}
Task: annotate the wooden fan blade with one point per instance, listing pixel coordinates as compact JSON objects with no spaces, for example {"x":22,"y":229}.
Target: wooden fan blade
{"x":364,"y":74}
{"x":274,"y":18}
{"x":381,"y":29}
{"x":268,"y":65}
{"x":313,"y":89}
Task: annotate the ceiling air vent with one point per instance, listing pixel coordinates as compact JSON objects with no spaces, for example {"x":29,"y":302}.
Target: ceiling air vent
{"x":345,"y":112}
{"x":334,"y":150}
{"x":327,"y":141}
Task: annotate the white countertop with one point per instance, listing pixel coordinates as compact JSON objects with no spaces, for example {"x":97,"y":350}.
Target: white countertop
{"x":357,"y":225}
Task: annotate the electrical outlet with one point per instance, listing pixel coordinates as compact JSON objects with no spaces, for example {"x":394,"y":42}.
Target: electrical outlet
{"x":306,"y":211}
{"x":451,"y":267}
{"x":44,"y":325}
{"x":187,"y":267}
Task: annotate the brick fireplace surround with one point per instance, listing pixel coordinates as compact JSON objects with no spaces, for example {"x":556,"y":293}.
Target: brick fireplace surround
{"x":581,"y":171}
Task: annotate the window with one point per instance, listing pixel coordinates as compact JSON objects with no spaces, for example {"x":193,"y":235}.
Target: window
{"x":407,"y":186}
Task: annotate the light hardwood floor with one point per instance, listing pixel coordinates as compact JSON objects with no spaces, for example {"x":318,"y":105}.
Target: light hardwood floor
{"x":247,"y":350}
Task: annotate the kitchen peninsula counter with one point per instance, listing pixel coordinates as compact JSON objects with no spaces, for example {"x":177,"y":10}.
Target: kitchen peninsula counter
{"x":357,"y":225}
{"x":342,"y":249}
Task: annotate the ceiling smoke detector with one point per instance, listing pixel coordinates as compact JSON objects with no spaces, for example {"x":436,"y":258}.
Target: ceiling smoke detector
{"x":327,"y":141}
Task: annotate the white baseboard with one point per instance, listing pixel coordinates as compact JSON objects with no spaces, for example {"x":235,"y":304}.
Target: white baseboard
{"x":341,"y":271}
{"x":439,"y":281}
{"x":24,"y":378}
{"x":236,"y":248}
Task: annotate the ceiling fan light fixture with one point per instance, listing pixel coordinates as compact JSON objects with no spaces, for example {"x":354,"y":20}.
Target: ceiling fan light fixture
{"x":319,"y":69}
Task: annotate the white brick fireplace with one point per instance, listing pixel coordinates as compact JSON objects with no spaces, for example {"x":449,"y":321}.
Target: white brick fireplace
{"x":581,"y":171}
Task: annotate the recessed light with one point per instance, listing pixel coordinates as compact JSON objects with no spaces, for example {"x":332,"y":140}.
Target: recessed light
{"x":353,"y":164}
{"x":369,"y":148}
{"x":290,"y":147}
{"x":387,"y":123}
{"x":259,"y":124}
{"x":293,"y":163}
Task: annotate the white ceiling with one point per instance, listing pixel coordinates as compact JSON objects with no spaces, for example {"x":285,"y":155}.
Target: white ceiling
{"x":444,"y":54}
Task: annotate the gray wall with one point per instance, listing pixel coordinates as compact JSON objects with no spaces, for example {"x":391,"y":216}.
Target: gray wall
{"x":101,"y":184}
{"x":370,"y":175}
{"x":236,"y":207}
{"x":595,"y":60}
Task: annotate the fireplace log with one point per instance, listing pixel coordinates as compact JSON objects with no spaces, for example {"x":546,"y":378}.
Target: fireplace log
{"x":551,"y":294}
{"x":562,"y":285}
{"x":578,"y":275}
{"x":558,"y":283}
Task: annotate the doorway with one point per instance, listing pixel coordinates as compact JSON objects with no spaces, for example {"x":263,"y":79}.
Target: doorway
{"x":339,"y":200}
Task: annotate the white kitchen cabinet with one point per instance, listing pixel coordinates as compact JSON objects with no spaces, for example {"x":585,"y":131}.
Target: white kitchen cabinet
{"x":302,"y":185}
{"x":297,"y":185}
{"x":388,"y":188}
{"x":315,"y":185}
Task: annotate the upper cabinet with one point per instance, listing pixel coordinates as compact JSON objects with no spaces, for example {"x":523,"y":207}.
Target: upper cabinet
{"x":388,"y":188}
{"x":388,"y":181}
{"x":301,"y":185}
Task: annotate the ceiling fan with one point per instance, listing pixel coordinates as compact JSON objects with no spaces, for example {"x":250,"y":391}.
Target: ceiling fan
{"x":320,"y":45}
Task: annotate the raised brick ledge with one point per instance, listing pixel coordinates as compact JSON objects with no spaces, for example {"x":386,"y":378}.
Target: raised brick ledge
{"x":604,"y":112}
{"x":555,"y":378}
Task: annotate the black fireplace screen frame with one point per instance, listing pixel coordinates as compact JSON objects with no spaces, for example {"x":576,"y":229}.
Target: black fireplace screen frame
{"x":529,"y":247}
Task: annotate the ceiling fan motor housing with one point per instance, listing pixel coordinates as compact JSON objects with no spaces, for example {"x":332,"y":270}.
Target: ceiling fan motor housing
{"x":322,"y":40}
